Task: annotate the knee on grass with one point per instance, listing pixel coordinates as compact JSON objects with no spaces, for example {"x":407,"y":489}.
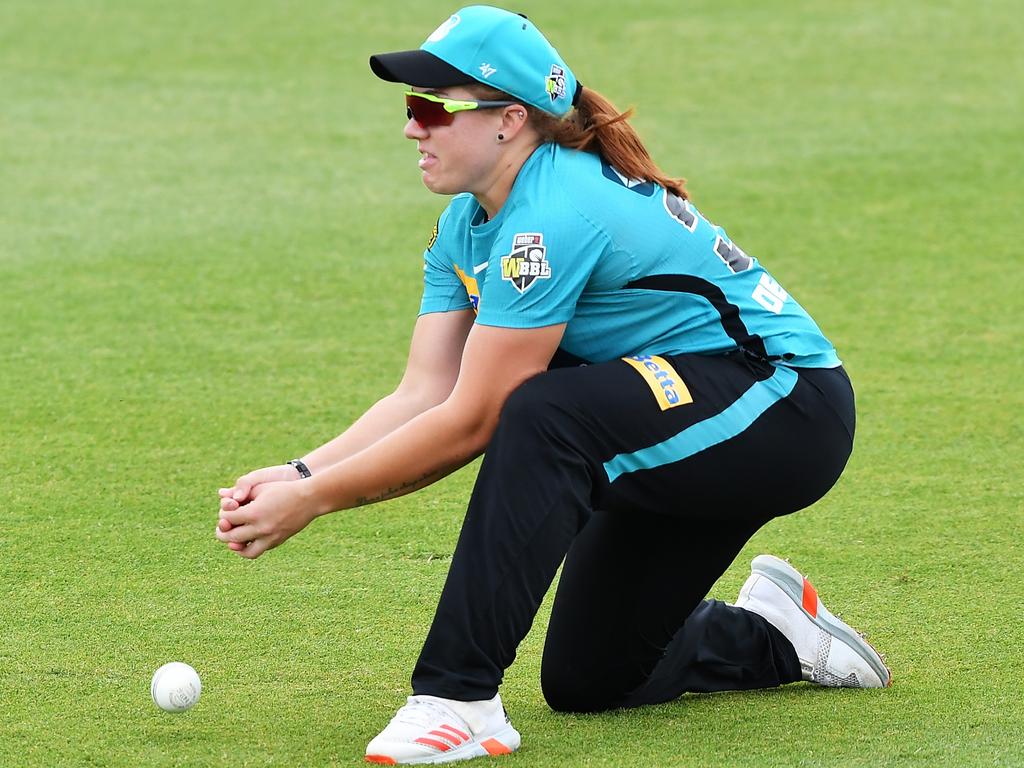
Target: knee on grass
{"x":565,"y":691}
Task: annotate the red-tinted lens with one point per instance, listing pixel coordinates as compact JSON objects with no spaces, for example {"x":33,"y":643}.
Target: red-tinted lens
{"x":427,"y":113}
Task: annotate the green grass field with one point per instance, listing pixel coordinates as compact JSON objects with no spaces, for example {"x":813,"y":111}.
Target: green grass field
{"x":210,"y":238}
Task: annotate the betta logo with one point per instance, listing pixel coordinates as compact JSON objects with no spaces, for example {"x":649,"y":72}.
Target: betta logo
{"x":666,"y":385}
{"x":527,"y":262}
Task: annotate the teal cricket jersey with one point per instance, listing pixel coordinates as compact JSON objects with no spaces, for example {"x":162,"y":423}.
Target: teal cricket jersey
{"x":631,"y":268}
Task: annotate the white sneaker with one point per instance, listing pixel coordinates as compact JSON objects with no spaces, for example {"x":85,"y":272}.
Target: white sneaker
{"x":831,"y":652}
{"x":429,"y":729}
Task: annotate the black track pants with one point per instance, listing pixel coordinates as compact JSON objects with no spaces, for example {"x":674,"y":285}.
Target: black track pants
{"x":648,"y":507}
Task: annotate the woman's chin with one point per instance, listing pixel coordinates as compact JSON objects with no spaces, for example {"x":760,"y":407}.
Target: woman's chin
{"x":435,"y":184}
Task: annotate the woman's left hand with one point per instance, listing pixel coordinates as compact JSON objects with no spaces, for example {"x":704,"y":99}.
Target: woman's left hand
{"x":278,"y":510}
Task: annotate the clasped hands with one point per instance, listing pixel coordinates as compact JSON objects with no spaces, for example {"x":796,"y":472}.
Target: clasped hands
{"x":262,"y":510}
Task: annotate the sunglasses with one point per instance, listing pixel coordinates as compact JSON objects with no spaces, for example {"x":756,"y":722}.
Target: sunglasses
{"x":429,"y":110}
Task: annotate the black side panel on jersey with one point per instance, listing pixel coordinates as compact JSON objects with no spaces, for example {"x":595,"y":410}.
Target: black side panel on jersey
{"x":727,"y":311}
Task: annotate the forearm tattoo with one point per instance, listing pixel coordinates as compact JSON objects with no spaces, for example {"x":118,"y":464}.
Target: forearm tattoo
{"x":400,"y":490}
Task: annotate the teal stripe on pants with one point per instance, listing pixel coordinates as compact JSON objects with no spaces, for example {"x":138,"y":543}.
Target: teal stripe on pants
{"x":716,"y":429}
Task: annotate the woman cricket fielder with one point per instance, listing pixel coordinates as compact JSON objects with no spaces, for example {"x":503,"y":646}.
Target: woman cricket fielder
{"x":647,"y":395}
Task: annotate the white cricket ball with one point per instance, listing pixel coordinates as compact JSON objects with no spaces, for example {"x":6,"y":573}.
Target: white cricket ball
{"x":175,"y":687}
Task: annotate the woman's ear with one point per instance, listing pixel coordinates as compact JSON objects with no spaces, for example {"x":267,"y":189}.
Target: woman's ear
{"x":513,"y":120}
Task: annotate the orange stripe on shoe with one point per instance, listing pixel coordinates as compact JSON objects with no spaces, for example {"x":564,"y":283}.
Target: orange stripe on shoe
{"x":381,"y":760}
{"x":442,"y":745}
{"x":447,"y":735}
{"x":810,"y":599}
{"x":456,"y":731}
{"x":495,"y":747}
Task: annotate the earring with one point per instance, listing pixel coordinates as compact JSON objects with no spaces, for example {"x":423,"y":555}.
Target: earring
{"x":501,"y":137}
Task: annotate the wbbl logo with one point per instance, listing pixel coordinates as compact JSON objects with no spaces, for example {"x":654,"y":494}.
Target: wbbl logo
{"x":527,"y":262}
{"x":554,"y":83}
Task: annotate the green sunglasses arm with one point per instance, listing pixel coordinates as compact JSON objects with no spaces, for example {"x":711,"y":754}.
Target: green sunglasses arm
{"x":455,"y":105}
{"x":450,"y":105}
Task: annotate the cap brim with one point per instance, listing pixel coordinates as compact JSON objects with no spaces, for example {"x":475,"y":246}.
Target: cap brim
{"x":418,"y":68}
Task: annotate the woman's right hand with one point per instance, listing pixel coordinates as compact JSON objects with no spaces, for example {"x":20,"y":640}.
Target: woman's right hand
{"x":242,"y":491}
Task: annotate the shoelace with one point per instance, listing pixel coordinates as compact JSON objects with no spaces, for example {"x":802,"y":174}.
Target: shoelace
{"x":424,"y":714}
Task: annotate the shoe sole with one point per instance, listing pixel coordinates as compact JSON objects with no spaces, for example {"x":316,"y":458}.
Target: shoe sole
{"x":492,"y":746}
{"x":790,"y":581}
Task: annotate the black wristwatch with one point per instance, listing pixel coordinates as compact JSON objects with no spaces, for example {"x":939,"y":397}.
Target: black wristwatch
{"x":300,"y":465}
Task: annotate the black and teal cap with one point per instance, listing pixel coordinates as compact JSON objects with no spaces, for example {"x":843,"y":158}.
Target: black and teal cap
{"x":482,"y":44}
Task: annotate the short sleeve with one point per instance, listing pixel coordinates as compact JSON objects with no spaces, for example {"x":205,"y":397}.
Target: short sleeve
{"x":443,"y":291}
{"x":538,"y":269}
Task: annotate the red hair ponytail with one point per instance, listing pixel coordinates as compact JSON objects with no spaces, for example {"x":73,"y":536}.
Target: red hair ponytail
{"x":597,"y":126}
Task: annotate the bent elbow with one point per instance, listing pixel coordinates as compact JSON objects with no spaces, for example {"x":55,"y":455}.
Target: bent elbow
{"x":480,"y":438}
{"x":470,"y":428}
{"x":422,"y":397}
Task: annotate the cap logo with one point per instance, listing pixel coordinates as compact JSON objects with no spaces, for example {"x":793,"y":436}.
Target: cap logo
{"x":555,"y":82}
{"x":442,"y":31}
{"x":487,"y":70}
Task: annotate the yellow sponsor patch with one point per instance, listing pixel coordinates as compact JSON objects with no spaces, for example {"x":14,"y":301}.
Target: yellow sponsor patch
{"x":433,"y":235}
{"x":472,"y":287}
{"x":667,"y":386}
